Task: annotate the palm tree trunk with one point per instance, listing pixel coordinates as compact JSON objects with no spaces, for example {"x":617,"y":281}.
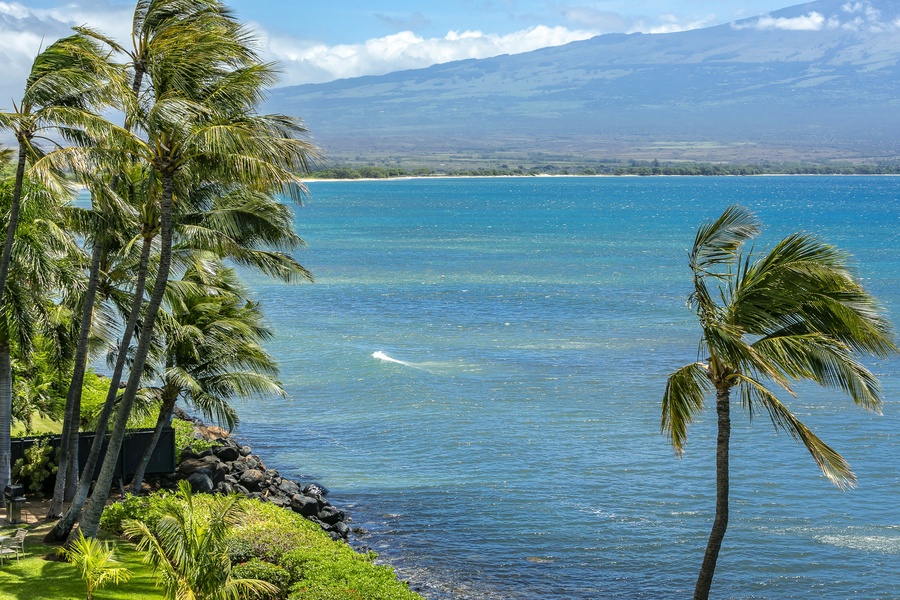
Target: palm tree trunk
{"x":13,"y":216}
{"x":720,"y":523}
{"x":64,"y":526}
{"x":5,"y":415}
{"x":5,"y":359}
{"x":90,"y":521}
{"x":165,"y":415}
{"x":68,"y":450}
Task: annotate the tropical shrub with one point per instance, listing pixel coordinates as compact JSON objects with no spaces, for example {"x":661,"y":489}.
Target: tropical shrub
{"x":187,"y":548}
{"x":264,"y":571}
{"x":319,"y":568}
{"x":146,"y":509}
{"x":37,"y":467}
{"x":239,"y":550}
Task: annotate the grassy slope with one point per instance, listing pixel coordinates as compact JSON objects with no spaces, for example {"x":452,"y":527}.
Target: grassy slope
{"x":39,"y":575}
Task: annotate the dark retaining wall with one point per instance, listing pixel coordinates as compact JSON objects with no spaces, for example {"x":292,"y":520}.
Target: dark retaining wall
{"x":133,"y":446}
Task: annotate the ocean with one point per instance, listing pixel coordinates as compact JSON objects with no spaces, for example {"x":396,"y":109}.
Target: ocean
{"x":476,"y":376}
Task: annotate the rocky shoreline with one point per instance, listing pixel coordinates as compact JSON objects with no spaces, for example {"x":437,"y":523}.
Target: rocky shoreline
{"x":230,"y":467}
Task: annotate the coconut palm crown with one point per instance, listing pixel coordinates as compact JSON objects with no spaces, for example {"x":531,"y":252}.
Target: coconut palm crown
{"x":792,"y":313}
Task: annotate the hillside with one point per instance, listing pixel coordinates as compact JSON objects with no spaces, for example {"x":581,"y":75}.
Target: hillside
{"x":815,"y":82}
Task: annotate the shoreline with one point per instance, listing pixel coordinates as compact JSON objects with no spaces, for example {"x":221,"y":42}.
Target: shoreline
{"x":598,"y":175}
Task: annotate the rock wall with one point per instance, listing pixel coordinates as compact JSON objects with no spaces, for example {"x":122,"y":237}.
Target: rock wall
{"x":231,"y":467}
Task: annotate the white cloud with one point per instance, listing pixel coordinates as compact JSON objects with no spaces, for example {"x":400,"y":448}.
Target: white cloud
{"x":672,"y":24}
{"x":313,"y":63}
{"x":853,"y":16}
{"x":25,"y":31}
{"x":813,"y":21}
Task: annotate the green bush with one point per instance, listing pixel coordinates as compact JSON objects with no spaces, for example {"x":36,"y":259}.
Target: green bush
{"x":239,"y":550}
{"x":146,"y":509}
{"x":265,"y":571}
{"x":282,"y":548}
{"x":320,"y":568}
{"x":184,"y":438}
{"x":339,"y":573}
{"x":93,"y":396}
{"x":37,"y":468}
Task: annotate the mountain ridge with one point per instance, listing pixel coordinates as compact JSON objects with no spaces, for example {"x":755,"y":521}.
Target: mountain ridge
{"x":817,"y":81}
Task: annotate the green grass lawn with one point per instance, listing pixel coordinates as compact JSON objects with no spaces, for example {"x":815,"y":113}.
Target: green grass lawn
{"x":40,"y":575}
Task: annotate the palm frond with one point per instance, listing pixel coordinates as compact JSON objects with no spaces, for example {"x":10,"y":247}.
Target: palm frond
{"x":686,"y":389}
{"x":717,"y":242}
{"x":832,"y":464}
{"x":825,"y":360}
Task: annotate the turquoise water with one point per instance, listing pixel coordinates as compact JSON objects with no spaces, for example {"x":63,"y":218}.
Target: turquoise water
{"x":477,"y":374}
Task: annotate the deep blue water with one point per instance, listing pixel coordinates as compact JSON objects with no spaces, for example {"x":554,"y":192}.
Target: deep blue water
{"x":506,"y":443}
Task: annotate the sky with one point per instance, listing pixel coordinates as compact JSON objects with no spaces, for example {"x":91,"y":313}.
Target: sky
{"x":315,"y":42}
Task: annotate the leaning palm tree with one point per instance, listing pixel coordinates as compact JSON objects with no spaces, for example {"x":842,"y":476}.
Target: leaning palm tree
{"x":200,"y":127}
{"x":188,"y":552}
{"x":68,"y":81}
{"x":792,"y":313}
{"x":212,"y":354}
{"x":162,"y":28}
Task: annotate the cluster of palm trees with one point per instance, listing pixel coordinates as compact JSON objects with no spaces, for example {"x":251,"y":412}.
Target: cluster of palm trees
{"x":190,"y":180}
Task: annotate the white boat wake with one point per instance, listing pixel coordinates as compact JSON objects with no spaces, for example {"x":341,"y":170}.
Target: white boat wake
{"x":434,"y":367}
{"x":382,"y":356}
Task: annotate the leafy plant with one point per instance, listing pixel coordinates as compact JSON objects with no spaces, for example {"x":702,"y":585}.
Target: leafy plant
{"x":264,"y":571}
{"x":95,"y":563}
{"x":239,"y":550}
{"x":38,"y":465}
{"x":147,"y":509}
{"x":184,"y":438}
{"x":187,"y":548}
{"x":319,"y":568}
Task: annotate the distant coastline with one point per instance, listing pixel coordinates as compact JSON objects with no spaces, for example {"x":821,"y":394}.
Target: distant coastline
{"x":371,"y":172}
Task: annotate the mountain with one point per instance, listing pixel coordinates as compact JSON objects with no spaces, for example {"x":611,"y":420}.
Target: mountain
{"x":817,"y":81}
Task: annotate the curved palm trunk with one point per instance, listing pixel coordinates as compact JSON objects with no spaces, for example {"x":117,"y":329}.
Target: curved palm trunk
{"x":68,"y":450}
{"x":720,"y":523}
{"x":5,"y":415}
{"x":90,"y":521}
{"x":165,"y":415}
{"x":64,"y":526}
{"x":13,"y":217}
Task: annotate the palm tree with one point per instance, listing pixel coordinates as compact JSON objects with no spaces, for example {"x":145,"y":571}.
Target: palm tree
{"x":67,"y":81}
{"x":95,"y":563}
{"x":187,"y":549}
{"x":101,"y":227}
{"x":159,"y":27}
{"x":41,"y":265}
{"x":792,"y":313}
{"x":212,"y":353}
{"x":200,"y":127}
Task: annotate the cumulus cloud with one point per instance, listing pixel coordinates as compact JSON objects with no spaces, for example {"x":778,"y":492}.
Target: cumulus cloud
{"x":854,"y":16}
{"x":813,"y":21}
{"x":674,"y":24}
{"x":314,"y":63}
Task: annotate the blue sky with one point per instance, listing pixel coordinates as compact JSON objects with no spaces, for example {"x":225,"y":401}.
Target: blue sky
{"x":322,"y":41}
